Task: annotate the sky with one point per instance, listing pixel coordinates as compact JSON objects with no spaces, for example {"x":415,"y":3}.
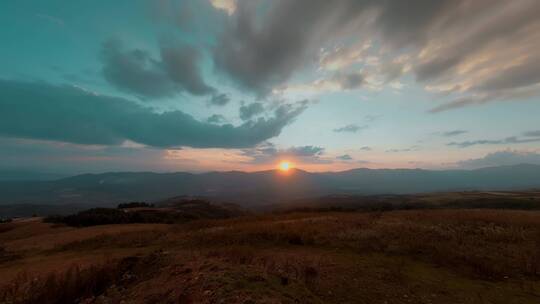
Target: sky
{"x":212,"y":85}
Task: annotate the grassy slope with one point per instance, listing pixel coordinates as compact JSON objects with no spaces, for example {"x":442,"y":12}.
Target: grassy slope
{"x":430,"y":256}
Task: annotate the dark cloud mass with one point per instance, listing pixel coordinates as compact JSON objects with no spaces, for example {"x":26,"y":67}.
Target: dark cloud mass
{"x":249,"y":111}
{"x":182,"y":68}
{"x":461,"y":48}
{"x":261,"y":54}
{"x":515,"y":77}
{"x":216,"y":118}
{"x":219,"y":100}
{"x":136,"y":71}
{"x":68,"y":114}
{"x":407,"y":22}
{"x":350,"y":81}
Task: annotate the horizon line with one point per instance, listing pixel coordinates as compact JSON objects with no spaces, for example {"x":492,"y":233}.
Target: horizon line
{"x":297,"y":169}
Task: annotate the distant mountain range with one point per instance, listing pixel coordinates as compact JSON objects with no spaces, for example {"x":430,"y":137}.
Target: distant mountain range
{"x":27,"y":175}
{"x":260,"y":188}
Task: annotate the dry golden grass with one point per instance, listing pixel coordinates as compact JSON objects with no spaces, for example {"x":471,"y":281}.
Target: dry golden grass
{"x":36,"y":246}
{"x":40,"y":236}
{"x":492,"y":244}
{"x":428,"y":256}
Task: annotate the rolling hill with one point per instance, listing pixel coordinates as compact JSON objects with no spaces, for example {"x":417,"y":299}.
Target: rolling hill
{"x":260,"y":188}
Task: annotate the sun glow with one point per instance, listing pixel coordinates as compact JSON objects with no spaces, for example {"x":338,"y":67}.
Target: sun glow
{"x":284,"y":166}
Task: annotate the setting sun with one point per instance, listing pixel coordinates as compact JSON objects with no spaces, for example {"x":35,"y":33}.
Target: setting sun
{"x":284,"y":166}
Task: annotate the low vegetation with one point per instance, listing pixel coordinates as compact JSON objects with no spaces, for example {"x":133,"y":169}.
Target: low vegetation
{"x":78,"y":285}
{"x":143,"y":213}
{"x":6,"y":226}
{"x":134,"y":205}
{"x":526,"y":200}
{"x":107,"y":216}
{"x":405,"y":256}
{"x":6,"y":256}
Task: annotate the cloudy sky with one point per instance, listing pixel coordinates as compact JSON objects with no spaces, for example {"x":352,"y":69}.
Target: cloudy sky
{"x":199,"y":85}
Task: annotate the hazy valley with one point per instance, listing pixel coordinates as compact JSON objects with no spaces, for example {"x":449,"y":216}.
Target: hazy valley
{"x":257,"y":190}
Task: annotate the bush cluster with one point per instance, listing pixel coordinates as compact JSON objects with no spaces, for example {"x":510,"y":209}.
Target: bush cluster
{"x":191,"y":210}
{"x":107,"y":216}
{"x":135,"y":205}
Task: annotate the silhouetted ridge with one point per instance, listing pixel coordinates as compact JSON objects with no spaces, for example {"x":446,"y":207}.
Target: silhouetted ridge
{"x":262,"y":187}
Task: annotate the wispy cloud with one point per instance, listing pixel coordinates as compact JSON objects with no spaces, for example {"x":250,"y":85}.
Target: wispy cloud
{"x":351,"y":128}
{"x":452,"y":133}
{"x":345,"y":157}
{"x":508,"y":140}
{"x":372,"y":118}
{"x":410,"y":149}
{"x":268,"y":153}
{"x":532,"y":133}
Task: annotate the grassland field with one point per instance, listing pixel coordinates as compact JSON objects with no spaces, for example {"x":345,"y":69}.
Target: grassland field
{"x":404,"y":256}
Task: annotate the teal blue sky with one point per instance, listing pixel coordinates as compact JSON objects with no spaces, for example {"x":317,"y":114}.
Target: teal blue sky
{"x":165,"y":85}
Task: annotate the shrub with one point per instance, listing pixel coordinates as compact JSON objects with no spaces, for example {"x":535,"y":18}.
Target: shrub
{"x":191,"y":210}
{"x":5,"y":220}
{"x":135,"y":205}
{"x":92,"y":217}
{"x":106,"y":216}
